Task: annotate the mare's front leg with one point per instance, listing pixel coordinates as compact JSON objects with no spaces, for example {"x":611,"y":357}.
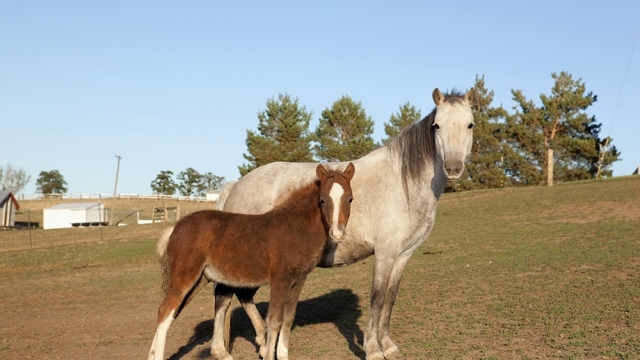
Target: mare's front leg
{"x":390,"y":350}
{"x":245,"y":296}
{"x":222,"y":299}
{"x":288,"y":317}
{"x":387,"y":273}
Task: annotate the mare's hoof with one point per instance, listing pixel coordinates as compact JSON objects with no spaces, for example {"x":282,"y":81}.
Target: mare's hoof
{"x":375,"y":356}
{"x":226,"y":356}
{"x":394,"y":354}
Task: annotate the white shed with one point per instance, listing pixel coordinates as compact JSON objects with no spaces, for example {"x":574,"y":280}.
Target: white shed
{"x":212,"y":195}
{"x":74,"y":214}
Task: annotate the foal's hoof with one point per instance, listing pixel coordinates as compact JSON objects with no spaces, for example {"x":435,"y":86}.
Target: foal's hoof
{"x":394,"y":354}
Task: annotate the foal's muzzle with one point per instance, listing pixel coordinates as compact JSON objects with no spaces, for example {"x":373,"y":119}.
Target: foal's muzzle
{"x":336,"y":234}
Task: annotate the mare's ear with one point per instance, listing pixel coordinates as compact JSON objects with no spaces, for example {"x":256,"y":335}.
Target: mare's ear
{"x":471,"y":96}
{"x":438,"y":98}
{"x":321,"y":172}
{"x":349,"y":171}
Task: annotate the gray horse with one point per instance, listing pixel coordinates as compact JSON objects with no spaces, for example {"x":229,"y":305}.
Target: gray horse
{"x":395,"y":190}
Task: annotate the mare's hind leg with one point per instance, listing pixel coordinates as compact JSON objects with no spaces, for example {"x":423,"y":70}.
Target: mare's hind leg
{"x":245,"y":296}
{"x":222,"y":298}
{"x":288,"y":317}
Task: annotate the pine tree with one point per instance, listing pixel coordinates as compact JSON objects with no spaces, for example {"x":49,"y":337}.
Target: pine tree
{"x":283,"y":135}
{"x":558,"y":139}
{"x":407,"y":115}
{"x":344,"y":132}
{"x":485,"y":168}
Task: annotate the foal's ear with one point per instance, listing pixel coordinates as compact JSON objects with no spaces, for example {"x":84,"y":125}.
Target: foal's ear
{"x":349,"y":171}
{"x":321,"y":172}
{"x":437,"y":96}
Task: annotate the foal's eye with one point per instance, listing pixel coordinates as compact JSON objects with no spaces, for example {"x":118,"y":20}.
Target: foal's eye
{"x":350,"y":200}
{"x":321,"y":201}
{"x":470,"y":126}
{"x":436,"y":126}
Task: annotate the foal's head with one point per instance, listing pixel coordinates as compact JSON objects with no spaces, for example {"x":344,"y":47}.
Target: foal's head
{"x":335,"y":198}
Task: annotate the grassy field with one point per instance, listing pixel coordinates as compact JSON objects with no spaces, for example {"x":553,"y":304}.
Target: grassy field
{"x":529,"y":273}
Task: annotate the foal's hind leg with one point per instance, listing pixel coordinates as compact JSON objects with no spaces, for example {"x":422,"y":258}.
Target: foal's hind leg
{"x":167,"y":312}
{"x":180,"y":291}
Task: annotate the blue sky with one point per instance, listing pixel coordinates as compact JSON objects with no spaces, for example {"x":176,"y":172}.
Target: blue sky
{"x":171,"y":85}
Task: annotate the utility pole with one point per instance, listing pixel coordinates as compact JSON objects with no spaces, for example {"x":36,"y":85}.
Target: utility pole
{"x":115,"y":188}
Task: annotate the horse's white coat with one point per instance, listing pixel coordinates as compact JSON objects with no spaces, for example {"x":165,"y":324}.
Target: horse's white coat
{"x":391,"y":215}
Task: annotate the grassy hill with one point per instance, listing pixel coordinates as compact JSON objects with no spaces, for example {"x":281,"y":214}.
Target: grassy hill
{"x":515,"y":273}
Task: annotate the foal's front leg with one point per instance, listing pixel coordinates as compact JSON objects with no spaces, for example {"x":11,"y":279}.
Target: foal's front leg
{"x":277,"y":301}
{"x":288,"y":317}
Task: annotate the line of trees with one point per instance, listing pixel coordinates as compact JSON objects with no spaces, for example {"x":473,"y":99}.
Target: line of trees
{"x":554,"y":141}
{"x":48,"y":182}
{"x":189,"y":182}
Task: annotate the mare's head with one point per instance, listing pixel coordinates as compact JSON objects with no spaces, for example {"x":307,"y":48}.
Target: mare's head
{"x":453,"y":130}
{"x":335,"y":198}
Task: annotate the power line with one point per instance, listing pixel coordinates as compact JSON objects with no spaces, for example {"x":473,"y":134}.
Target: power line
{"x":604,"y":148}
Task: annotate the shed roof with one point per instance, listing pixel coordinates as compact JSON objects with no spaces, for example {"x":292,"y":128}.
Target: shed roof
{"x":5,"y":195}
{"x":75,"y":206}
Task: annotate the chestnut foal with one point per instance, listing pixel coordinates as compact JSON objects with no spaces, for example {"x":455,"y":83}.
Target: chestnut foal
{"x":280,"y":247}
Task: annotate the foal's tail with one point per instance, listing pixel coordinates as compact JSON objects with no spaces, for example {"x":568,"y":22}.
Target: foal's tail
{"x":161,"y":249}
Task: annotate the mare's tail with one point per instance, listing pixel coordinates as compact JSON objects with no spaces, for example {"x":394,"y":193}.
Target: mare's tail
{"x":161,"y":250}
{"x":225,"y":189}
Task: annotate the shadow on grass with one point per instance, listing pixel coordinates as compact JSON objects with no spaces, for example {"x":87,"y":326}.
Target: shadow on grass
{"x":339,"y":307}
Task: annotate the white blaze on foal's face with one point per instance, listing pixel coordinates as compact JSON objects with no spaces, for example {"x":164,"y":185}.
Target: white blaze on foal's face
{"x":335,"y":199}
{"x":337,"y":191}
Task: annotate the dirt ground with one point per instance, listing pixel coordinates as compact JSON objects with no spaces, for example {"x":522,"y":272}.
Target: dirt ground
{"x":70,"y":316}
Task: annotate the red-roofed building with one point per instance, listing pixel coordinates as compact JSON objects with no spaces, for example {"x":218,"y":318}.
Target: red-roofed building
{"x":8,"y":207}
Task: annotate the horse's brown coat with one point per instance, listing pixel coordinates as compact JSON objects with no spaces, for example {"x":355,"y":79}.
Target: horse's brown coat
{"x":280,"y":247}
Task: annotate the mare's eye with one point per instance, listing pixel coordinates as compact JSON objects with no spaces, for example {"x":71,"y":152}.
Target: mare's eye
{"x":321,"y":201}
{"x":470,"y":126}
{"x":350,"y":200}
{"x":436,"y":126}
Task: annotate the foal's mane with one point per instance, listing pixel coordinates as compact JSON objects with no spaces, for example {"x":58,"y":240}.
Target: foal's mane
{"x":415,"y":145}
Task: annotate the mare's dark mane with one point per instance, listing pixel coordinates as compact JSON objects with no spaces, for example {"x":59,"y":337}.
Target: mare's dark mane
{"x":415,"y":145}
